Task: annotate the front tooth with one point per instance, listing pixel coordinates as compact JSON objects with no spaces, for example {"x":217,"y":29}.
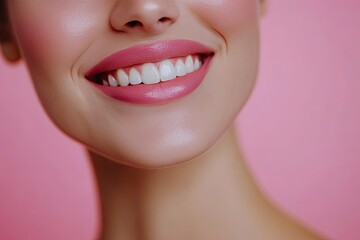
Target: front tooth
{"x":167,"y":71}
{"x":122,"y":77}
{"x":135,"y":77}
{"x":180,"y":68}
{"x":112,"y":81}
{"x":150,"y":73}
{"x":197,"y":64}
{"x":189,"y":63}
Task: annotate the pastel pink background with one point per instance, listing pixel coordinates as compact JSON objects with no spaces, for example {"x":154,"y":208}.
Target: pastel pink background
{"x":300,"y":132}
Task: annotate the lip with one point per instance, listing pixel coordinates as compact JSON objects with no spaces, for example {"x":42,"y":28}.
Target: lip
{"x":151,"y":53}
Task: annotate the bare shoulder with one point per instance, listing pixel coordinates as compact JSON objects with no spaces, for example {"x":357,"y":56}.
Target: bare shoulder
{"x":288,"y":228}
{"x":281,"y":226}
{"x":302,"y":234}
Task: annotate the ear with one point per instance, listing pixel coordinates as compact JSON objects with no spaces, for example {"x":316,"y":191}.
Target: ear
{"x":8,"y":43}
{"x":263,"y":7}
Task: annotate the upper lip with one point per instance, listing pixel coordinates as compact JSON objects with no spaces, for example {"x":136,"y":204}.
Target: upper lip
{"x":149,"y":53}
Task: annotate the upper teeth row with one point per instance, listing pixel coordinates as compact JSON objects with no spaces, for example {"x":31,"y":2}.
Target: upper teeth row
{"x":151,"y":73}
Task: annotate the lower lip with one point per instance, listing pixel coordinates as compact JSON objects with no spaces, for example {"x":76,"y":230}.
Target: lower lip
{"x":158,"y":93}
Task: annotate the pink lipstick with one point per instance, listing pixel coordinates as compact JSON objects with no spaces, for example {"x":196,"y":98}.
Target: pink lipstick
{"x":170,"y":53}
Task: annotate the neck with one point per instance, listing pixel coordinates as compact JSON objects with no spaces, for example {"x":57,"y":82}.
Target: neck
{"x":211,"y":197}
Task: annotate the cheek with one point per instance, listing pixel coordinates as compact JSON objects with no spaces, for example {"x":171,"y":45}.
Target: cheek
{"x":51,"y":34}
{"x":227,"y":15}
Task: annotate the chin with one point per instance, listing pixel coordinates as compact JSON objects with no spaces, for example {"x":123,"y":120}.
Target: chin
{"x":166,"y":153}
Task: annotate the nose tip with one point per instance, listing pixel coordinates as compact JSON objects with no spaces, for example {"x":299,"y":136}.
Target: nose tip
{"x":148,"y":16}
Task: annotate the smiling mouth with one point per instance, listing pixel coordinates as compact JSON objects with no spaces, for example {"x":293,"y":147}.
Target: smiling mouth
{"x":154,"y":73}
{"x":151,"y":73}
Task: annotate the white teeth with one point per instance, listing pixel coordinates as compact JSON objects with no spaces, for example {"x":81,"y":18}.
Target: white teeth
{"x":150,"y":74}
{"x":189,"y":63}
{"x":112,"y":81}
{"x":122,"y":77}
{"x":167,"y":71}
{"x":135,"y":77}
{"x":180,"y":68}
{"x":105,"y":83}
{"x":197,"y":64}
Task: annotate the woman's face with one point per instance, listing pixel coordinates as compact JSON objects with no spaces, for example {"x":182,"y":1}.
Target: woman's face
{"x":148,"y":126}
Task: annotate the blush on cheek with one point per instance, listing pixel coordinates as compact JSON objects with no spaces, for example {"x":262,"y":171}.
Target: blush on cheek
{"x":228,"y":15}
{"x":48,"y":34}
{"x":31,"y":38}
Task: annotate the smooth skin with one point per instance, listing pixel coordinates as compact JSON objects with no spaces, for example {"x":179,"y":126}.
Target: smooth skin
{"x":171,"y":171}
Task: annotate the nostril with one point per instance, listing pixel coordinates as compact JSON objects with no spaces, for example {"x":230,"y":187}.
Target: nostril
{"x":164,"y":19}
{"x":134,"y":23}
